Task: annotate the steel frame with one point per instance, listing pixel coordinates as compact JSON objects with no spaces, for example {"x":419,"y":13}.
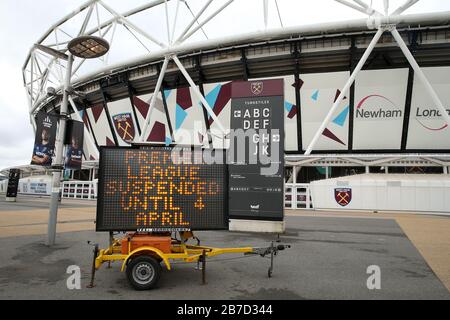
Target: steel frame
{"x":41,"y":70}
{"x":382,"y":27}
{"x":369,"y":160}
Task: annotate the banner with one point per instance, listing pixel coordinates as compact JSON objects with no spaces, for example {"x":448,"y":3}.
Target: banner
{"x":74,"y":151}
{"x":13,"y":183}
{"x":256,"y":155}
{"x":44,"y":145}
{"x":123,"y":121}
{"x":380,"y":99}
{"x":318,"y":92}
{"x":427,"y":128}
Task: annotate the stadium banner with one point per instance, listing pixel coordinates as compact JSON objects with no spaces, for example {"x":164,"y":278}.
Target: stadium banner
{"x":318,"y":92}
{"x":159,"y":130}
{"x":187,"y":117}
{"x":44,"y":145}
{"x":13,"y":184}
{"x":161,"y":189}
{"x":98,"y":119}
{"x":380,"y":99}
{"x":123,"y":121}
{"x":256,"y":154}
{"x":427,"y":128}
{"x":74,"y":141}
{"x":218,"y":96}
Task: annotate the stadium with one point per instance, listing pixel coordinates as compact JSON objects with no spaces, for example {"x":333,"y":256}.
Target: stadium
{"x":386,"y":127}
{"x":226,"y":149}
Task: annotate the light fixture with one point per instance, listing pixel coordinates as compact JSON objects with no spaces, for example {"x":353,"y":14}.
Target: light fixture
{"x":88,"y":47}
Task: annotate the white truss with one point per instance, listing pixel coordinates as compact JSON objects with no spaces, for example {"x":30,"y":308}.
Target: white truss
{"x":96,"y":17}
{"x":369,"y":160}
{"x":382,"y":23}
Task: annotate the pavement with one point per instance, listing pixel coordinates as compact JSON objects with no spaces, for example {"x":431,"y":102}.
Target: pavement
{"x":29,"y":216}
{"x":329,"y":258}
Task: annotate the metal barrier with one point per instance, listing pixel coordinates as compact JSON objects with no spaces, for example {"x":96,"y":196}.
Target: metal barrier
{"x":88,"y":191}
{"x":298,"y":197}
{"x":79,"y":190}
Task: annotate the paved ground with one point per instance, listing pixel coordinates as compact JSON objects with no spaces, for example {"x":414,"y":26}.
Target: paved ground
{"x":328,"y":260}
{"x":29,"y":216}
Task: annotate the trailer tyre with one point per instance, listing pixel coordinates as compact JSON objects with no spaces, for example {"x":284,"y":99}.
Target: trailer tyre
{"x":143,"y":272}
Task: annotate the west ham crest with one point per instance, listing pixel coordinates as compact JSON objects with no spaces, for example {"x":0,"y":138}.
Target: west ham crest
{"x":343,"y":196}
{"x":124,"y":126}
{"x":257,"y":88}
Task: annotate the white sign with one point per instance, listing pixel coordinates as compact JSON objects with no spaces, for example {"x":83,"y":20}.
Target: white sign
{"x":427,"y":128}
{"x":380,"y":98}
{"x":38,"y":188}
{"x":318,"y":94}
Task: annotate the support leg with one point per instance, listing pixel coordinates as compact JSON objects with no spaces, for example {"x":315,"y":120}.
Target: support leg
{"x":153,"y":101}
{"x":199,"y":94}
{"x":270,"y":272}
{"x":111,"y":242}
{"x":204,"y":267}
{"x":350,"y":81}
{"x":91,"y":284}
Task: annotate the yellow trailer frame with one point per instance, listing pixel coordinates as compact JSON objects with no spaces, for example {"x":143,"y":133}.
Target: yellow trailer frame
{"x":180,"y":250}
{"x":184,"y":252}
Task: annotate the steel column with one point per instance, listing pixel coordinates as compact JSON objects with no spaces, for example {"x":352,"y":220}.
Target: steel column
{"x":56,"y":179}
{"x":198,"y":94}
{"x":420,"y":74}
{"x":153,"y":101}
{"x":298,"y":100}
{"x":404,"y":7}
{"x":345,"y":90}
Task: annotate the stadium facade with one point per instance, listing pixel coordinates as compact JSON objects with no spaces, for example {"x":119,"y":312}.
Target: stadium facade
{"x":386,"y":123}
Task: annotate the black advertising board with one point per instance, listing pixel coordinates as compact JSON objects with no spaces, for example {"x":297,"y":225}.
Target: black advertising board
{"x":44,"y":145}
{"x":74,"y":140}
{"x":256,"y":172}
{"x":13,"y":183}
{"x":152,"y":189}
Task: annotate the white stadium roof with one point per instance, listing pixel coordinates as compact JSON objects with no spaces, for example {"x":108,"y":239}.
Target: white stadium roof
{"x":212,"y":41}
{"x":154,"y":29}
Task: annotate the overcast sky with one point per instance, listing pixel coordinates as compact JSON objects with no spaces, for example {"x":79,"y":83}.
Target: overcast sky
{"x":23,"y":22}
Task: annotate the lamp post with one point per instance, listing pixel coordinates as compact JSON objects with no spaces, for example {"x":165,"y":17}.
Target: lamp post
{"x":86,"y":47}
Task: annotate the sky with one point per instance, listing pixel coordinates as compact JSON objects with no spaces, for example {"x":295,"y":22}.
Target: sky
{"x":23,"y":22}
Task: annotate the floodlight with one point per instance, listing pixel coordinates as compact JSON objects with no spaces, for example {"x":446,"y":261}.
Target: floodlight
{"x":88,"y":47}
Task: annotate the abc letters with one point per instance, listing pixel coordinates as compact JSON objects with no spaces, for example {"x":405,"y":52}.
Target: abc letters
{"x":258,"y":119}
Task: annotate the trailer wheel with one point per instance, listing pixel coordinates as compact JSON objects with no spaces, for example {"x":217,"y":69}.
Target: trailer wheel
{"x":143,"y":272}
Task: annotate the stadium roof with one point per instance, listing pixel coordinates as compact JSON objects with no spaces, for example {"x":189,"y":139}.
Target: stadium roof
{"x":139,"y":50}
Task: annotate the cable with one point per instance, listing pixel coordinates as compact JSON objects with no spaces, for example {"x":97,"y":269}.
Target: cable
{"x":193,"y":15}
{"x":279,"y":14}
{"x":126,"y":27}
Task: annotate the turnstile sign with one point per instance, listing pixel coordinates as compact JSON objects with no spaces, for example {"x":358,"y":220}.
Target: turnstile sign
{"x":256,"y":155}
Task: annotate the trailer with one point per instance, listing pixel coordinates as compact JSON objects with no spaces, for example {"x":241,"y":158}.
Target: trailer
{"x":143,"y":254}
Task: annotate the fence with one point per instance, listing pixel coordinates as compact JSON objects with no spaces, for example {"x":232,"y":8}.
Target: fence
{"x":298,"y":197}
{"x":79,"y":190}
